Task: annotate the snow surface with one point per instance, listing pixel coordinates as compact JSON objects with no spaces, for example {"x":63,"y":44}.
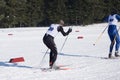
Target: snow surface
{"x":84,"y":59}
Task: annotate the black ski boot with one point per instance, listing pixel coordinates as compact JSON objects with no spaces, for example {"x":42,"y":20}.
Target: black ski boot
{"x":53,"y":66}
{"x":116,"y":54}
{"x":110,"y":56}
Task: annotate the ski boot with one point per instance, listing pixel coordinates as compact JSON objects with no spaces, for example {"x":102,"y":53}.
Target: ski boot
{"x":54,"y":67}
{"x":116,"y":54}
{"x":110,"y":56}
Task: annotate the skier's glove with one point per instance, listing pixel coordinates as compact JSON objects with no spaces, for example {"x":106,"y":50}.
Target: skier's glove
{"x":69,"y":30}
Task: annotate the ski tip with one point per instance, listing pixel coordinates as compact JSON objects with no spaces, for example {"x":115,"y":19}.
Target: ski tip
{"x":65,"y":68}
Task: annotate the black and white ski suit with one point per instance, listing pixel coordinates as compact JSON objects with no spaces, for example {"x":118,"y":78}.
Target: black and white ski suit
{"x":48,"y":40}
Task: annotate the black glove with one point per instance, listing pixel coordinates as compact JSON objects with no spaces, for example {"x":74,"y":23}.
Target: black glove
{"x":69,"y":30}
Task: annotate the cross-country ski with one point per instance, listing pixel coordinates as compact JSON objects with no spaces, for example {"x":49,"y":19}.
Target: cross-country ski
{"x":58,"y":69}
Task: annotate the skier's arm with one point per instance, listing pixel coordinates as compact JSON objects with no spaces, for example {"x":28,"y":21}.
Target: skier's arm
{"x":105,"y":19}
{"x":60,"y":29}
{"x":118,"y":17}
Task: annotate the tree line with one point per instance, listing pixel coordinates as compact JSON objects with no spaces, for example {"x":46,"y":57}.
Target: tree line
{"x":26,"y":13}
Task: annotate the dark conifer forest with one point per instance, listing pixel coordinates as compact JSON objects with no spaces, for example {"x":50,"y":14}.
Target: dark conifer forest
{"x":38,"y":13}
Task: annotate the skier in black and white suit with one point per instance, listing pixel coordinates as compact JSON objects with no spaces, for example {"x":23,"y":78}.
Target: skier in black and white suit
{"x":48,"y":40}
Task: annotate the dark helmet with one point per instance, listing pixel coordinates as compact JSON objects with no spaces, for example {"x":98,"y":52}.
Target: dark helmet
{"x":113,"y":11}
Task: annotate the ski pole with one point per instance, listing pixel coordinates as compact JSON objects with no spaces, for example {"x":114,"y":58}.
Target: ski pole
{"x":43,"y":57}
{"x":100,"y":36}
{"x":64,"y":42}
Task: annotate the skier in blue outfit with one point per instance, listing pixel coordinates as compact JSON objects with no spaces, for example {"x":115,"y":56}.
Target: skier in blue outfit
{"x":112,"y":20}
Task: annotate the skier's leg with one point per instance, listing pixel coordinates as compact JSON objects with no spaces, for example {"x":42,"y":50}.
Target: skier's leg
{"x":111,"y":45}
{"x":53,"y":55}
{"x":49,"y":42}
{"x":117,"y":45}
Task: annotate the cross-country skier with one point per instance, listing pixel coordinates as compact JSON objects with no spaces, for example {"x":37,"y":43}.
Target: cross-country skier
{"x":48,"y":40}
{"x":112,"y":20}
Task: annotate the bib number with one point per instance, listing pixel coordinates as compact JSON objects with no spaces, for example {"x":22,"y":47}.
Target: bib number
{"x":111,"y":20}
{"x":51,"y":29}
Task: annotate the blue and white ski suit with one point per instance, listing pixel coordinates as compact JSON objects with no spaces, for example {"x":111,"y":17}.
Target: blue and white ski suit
{"x":113,"y":32}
